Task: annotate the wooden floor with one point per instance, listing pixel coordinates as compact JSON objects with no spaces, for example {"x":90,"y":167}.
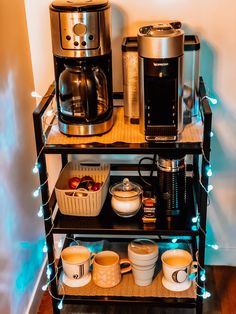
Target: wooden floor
{"x":221,"y":282}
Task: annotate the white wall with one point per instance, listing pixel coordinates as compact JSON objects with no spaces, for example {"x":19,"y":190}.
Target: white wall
{"x":214,"y":22}
{"x":21,"y":235}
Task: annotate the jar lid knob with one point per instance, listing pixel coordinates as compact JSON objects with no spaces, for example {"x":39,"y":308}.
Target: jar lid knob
{"x":127,"y":184}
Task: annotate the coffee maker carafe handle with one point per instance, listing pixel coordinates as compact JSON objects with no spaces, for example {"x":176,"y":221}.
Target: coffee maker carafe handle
{"x":89,"y":95}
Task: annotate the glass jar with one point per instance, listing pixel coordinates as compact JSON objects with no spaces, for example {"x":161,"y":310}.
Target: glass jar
{"x":126,"y":198}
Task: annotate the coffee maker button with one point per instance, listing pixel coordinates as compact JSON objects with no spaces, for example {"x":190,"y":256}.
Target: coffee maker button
{"x":76,"y":43}
{"x":90,"y":37}
{"x":83,"y":43}
{"x":79,"y":29}
{"x":68,"y":37}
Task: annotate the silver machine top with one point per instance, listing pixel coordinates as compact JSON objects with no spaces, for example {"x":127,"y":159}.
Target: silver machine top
{"x":161,"y":40}
{"x":80,"y":28}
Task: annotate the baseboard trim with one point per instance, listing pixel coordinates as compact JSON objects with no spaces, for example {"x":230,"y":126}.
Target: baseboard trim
{"x":37,"y":293}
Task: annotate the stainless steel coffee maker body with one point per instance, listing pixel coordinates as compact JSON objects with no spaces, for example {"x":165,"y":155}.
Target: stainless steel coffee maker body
{"x":160,"y":50}
{"x":83,"y":67}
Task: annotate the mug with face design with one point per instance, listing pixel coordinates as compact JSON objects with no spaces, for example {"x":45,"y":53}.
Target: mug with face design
{"x":177,"y":265}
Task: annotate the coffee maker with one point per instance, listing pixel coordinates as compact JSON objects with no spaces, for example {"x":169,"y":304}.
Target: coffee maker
{"x":160,"y":53}
{"x":83,"y":66}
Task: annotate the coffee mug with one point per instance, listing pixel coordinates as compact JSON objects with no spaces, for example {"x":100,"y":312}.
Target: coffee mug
{"x":107,"y":269}
{"x":177,"y":265}
{"x":76,"y":261}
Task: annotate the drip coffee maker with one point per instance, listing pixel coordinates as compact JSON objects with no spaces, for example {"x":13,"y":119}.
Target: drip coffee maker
{"x":82,"y":63}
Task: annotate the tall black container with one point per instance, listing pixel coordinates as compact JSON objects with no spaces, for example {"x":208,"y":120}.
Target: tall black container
{"x":171,"y":187}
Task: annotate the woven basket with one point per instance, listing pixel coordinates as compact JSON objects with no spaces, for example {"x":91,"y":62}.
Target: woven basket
{"x":82,"y":202}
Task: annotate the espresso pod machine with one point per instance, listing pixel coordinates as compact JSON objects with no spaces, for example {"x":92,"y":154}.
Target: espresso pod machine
{"x":83,"y":66}
{"x":161,"y":54}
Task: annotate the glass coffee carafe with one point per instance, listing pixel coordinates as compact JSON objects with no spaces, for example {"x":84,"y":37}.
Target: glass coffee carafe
{"x":83,"y":95}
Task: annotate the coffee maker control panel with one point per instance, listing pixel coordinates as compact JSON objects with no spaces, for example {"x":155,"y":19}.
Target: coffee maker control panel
{"x":79,"y":31}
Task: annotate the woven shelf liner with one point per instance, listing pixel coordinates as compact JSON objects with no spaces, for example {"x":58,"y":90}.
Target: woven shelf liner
{"x":127,"y":288}
{"x":122,"y":132}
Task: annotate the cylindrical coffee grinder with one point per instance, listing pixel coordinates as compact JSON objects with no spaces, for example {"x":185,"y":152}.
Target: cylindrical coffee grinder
{"x":161,"y":50}
{"x":83,"y":67}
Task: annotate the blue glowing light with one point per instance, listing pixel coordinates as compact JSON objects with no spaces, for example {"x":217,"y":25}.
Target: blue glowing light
{"x":192,"y":276}
{"x":209,"y":173}
{"x":36,"y":193}
{"x":48,"y":272}
{"x":210,"y":188}
{"x":194,"y":228}
{"x":60,"y":305}
{"x":213,"y":246}
{"x":45,"y":248}
{"x":40,"y":212}
{"x":195,"y":219}
{"x":211,"y":134}
{"x":36,"y":168}
{"x":44,"y":287}
{"x":174,"y":240}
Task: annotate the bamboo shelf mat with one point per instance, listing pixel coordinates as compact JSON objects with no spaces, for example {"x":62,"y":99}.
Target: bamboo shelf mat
{"x":127,"y":288}
{"x":122,"y":132}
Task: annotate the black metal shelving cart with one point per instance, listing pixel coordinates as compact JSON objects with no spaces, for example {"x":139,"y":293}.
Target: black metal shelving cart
{"x":108,"y":225}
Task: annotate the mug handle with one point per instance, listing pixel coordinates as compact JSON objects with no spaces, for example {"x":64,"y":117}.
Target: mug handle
{"x":193,"y":271}
{"x":93,"y":254}
{"x":126,"y":269}
{"x":194,"y":267}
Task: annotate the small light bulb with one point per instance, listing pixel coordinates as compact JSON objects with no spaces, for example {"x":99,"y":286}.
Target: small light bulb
{"x":192,"y":276}
{"x":60,"y":305}
{"x":212,"y":100}
{"x":215,"y":247}
{"x":40,"y":212}
{"x":34,"y":94}
{"x":36,"y":168}
{"x":49,"y":113}
{"x":209,"y":172}
{"x":48,"y":272}
{"x":45,"y":248}
{"x":44,"y":288}
{"x":211,"y":134}
{"x":206,"y":294}
{"x":36,"y":192}
{"x":210,"y":188}
{"x":203,"y":277}
{"x":174,"y":240}
{"x":195,"y":219}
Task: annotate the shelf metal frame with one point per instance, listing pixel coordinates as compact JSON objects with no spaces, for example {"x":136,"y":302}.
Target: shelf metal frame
{"x":200,"y":193}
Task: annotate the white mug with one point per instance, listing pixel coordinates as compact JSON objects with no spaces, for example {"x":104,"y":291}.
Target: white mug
{"x":76,"y":261}
{"x":177,"y":265}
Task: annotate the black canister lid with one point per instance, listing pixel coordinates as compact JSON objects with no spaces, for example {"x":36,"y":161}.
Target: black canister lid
{"x":79,"y":5}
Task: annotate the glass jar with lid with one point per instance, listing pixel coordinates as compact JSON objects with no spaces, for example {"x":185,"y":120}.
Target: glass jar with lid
{"x":126,"y":198}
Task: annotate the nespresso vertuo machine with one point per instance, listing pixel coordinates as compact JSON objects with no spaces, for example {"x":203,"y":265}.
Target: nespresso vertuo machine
{"x":83,"y":68}
{"x":160,"y":50}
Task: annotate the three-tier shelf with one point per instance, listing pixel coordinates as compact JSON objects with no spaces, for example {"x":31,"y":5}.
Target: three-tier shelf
{"x":118,"y":232}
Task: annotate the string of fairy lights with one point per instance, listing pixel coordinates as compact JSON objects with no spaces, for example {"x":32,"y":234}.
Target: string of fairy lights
{"x":196,"y":225}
